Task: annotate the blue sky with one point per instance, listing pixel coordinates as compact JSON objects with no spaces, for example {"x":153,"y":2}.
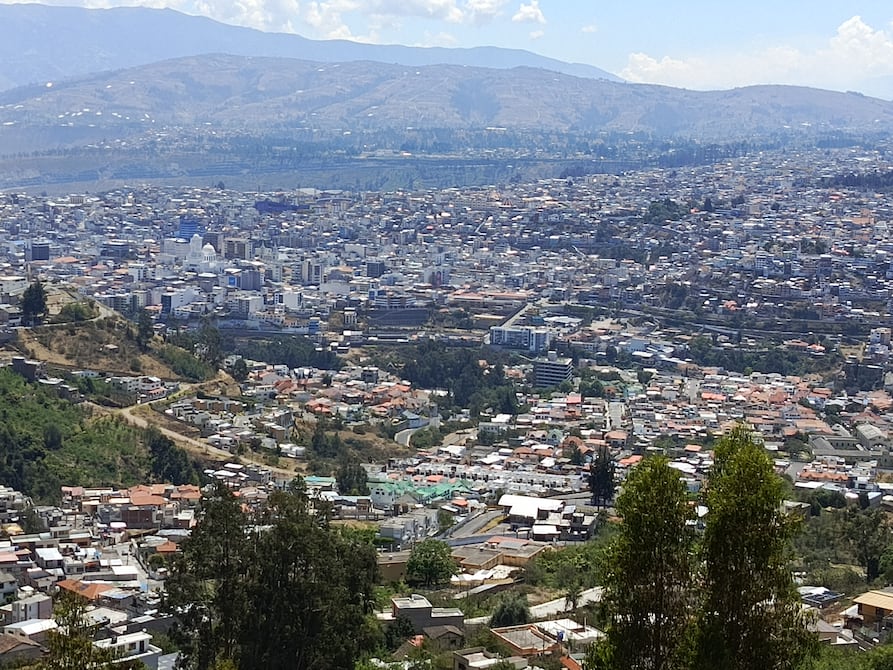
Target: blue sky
{"x":688,"y":43}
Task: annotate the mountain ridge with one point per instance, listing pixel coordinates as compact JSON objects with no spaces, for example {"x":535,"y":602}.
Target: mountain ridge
{"x":41,"y":43}
{"x":261,"y":93}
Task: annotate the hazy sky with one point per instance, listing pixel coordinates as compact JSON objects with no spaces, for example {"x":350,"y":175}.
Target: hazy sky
{"x":689,"y":43}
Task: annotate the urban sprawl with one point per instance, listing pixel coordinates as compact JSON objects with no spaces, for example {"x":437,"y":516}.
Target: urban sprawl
{"x":638,"y":313}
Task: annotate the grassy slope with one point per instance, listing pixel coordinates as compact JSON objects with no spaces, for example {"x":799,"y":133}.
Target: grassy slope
{"x":47,"y":442}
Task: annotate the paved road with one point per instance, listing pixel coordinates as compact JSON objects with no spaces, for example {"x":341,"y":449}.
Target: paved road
{"x":475,"y":524}
{"x":404,"y":436}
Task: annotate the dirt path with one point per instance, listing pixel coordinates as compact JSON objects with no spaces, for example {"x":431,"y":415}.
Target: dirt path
{"x":141,"y":415}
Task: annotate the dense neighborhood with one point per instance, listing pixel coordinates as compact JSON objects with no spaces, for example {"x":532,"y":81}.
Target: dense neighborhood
{"x":515,"y":352}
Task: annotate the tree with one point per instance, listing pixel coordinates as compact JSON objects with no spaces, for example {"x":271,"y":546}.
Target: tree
{"x":351,"y":478}
{"x":207,"y":585}
{"x":239,"y":370}
{"x":399,"y":632}
{"x":601,"y":478}
{"x":169,"y":463}
{"x":70,"y":646}
{"x":145,"y":329}
{"x":511,"y":610}
{"x":52,"y":437}
{"x":868,"y":532}
{"x":306,"y":609}
{"x":750,"y":614}
{"x":430,"y":562}
{"x":445,"y":519}
{"x":265,"y":591}
{"x":648,"y":573}
{"x":644,"y":376}
{"x":325,"y":444}
{"x":33,"y":303}
{"x":210,"y":344}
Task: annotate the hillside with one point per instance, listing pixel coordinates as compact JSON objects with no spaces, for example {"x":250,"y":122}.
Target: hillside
{"x":103,"y":344}
{"x":275,"y":95}
{"x":273,"y":122}
{"x":41,"y":43}
{"x":47,"y":442}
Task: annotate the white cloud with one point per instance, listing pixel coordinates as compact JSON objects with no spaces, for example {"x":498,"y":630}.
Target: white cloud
{"x":536,"y":34}
{"x":479,"y":11}
{"x":441,"y":10}
{"x":529,"y":13}
{"x":590,"y":28}
{"x":855,"y":53}
{"x":333,"y":19}
{"x":326,"y":18}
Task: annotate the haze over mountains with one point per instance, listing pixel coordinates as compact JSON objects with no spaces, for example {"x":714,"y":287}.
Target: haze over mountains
{"x":134,"y":93}
{"x":67,"y":64}
{"x":40,"y":43}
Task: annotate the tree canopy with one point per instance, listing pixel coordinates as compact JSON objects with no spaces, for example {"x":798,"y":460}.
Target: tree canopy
{"x":265,"y":591}
{"x":648,"y":572}
{"x":511,"y":610}
{"x":33,"y":303}
{"x":430,"y":563}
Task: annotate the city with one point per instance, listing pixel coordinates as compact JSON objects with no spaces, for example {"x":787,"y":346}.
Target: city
{"x":619,"y":316}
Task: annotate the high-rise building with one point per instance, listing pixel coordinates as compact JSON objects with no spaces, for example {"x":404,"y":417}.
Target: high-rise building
{"x":550,"y":371}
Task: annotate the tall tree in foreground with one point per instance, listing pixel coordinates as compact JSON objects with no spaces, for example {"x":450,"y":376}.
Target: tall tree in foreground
{"x":750,"y":616}
{"x":277,"y":590}
{"x":207,"y":585}
{"x":311,"y":591}
{"x":648,"y":574}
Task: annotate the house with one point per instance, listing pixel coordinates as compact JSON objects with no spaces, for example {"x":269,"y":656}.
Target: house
{"x":874,"y":606}
{"x":132,"y":648}
{"x":16,"y":651}
{"x":35,"y":630}
{"x":526,"y":640}
{"x":526,"y":510}
{"x":37,"y":606}
{"x":8,"y":585}
{"x":419,"y":611}
{"x":479,"y":658}
{"x":49,"y":558}
{"x":445,"y":637}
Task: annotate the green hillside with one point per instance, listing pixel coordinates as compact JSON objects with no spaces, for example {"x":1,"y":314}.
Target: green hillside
{"x":47,"y":442}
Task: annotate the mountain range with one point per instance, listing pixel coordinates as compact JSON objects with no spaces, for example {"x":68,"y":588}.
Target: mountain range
{"x":261,"y":94}
{"x":41,"y":43}
{"x":137,"y":93}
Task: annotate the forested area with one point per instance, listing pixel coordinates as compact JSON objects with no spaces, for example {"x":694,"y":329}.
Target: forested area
{"x":459,"y":372}
{"x":295,"y":351}
{"x":877,"y":181}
